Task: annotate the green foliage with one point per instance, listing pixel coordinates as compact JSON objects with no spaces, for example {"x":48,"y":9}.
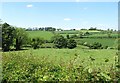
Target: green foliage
{"x":74,"y":36}
{"x":21,"y":38}
{"x":59,"y":41}
{"x":71,"y":43}
{"x":95,"y":45}
{"x":7,"y":36}
{"x":27,"y":67}
{"x":36,"y":42}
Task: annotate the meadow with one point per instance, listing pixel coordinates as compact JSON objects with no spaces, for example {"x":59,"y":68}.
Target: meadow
{"x":42,"y":34}
{"x":54,"y":64}
{"x":58,"y":65}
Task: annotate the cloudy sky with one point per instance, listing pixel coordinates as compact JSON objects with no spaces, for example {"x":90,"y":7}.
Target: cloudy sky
{"x":65,"y":15}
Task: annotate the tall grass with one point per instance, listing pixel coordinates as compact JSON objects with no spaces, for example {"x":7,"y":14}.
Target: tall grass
{"x":27,"y":67}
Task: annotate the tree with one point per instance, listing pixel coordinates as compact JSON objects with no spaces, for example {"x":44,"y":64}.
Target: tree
{"x":59,"y":41}
{"x":36,"y":42}
{"x":7,"y":36}
{"x":21,"y":38}
{"x":71,"y":43}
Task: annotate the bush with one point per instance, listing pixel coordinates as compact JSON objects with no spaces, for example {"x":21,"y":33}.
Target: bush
{"x":74,"y":36}
{"x":59,"y":41}
{"x":71,"y":44}
{"x":105,"y":47}
{"x":36,"y":42}
{"x":96,"y":45}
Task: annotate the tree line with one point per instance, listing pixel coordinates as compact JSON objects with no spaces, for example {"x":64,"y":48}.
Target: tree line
{"x":16,"y":38}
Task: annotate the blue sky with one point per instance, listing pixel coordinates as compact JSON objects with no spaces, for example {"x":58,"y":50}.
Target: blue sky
{"x":65,"y":15}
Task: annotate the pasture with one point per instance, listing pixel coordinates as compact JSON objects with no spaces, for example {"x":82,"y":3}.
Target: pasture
{"x":54,"y":64}
{"x":42,"y":34}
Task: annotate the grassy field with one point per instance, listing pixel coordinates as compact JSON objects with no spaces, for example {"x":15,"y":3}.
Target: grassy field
{"x":42,"y":34}
{"x":67,"y":54}
{"x":67,"y":32}
{"x":52,"y":64}
{"x":111,"y":42}
{"x":103,"y":35}
{"x":58,"y":64}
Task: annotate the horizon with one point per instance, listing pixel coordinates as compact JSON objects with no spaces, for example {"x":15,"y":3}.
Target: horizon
{"x":64,"y":15}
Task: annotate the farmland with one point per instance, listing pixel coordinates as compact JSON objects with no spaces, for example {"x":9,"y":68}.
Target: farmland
{"x":42,"y":34}
{"x":87,"y":61}
{"x":61,"y":41}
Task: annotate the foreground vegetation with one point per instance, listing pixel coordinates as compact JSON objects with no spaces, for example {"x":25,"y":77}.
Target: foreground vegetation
{"x":60,"y":65}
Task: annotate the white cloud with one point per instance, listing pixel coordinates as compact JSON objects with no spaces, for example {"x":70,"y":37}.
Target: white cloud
{"x":67,"y":19}
{"x":29,"y":6}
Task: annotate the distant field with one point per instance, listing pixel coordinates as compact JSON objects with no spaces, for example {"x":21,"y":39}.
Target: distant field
{"x":42,"y":34}
{"x":67,"y":32}
{"x":111,"y":42}
{"x":92,"y":31}
{"x":103,"y":35}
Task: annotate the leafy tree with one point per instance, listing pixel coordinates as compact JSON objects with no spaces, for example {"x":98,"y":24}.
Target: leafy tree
{"x":7,"y":36}
{"x":71,"y":43}
{"x":21,"y":38}
{"x":36,"y":42}
{"x":59,"y":41}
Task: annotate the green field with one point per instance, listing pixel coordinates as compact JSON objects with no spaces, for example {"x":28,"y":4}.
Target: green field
{"x":57,"y":64}
{"x":111,"y":42}
{"x":67,"y":32}
{"x":53,"y":64}
{"x":67,"y":54}
{"x":42,"y":34}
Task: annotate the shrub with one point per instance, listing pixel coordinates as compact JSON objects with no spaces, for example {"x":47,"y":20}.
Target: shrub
{"x":96,"y":45}
{"x":105,"y":47}
{"x":36,"y":42}
{"x":74,"y":36}
{"x":71,"y":44}
{"x":59,"y":41}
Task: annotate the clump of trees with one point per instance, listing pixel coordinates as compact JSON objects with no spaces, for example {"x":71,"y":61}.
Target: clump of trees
{"x":36,"y":42}
{"x":61,"y":42}
{"x":7,"y":36}
{"x":41,"y":29}
{"x":95,"y":45}
{"x":71,"y":43}
{"x":12,"y":36}
{"x":21,"y":38}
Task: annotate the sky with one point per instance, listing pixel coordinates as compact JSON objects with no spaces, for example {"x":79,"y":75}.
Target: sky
{"x":65,"y":15}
